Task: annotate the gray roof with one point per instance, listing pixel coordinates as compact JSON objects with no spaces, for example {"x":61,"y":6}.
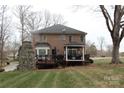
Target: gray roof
{"x":58,"y":29}
{"x":74,"y":43}
{"x":42,"y":45}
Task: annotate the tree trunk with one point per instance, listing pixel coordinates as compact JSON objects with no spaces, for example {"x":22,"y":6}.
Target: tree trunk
{"x":1,"y":55}
{"x":115,"y":54}
{"x":13,"y":56}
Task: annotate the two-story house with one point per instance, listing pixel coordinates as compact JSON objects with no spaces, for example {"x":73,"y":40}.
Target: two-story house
{"x":60,"y":39}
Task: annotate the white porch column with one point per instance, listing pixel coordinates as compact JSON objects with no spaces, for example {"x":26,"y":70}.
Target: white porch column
{"x":83,"y":53}
{"x":66,"y":53}
{"x":37,"y":52}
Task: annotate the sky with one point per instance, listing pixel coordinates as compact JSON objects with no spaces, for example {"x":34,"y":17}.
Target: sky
{"x":83,"y":19}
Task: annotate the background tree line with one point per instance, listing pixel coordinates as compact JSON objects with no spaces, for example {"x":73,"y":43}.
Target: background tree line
{"x":92,"y":49}
{"x":27,"y":21}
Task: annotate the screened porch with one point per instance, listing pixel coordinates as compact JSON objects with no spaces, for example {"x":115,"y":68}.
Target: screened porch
{"x":74,"y":52}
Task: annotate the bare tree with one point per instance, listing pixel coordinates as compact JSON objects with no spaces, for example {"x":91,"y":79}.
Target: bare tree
{"x":14,"y":47}
{"x":37,"y":20}
{"x":4,"y":29}
{"x":21,"y":13}
{"x":47,"y":19}
{"x":34,"y":21}
{"x":52,"y":19}
{"x":58,"y":19}
{"x":101,"y":41}
{"x":91,"y":48}
{"x":115,"y":27}
{"x":109,"y":50}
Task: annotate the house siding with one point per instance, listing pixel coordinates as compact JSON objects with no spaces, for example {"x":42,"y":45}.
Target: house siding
{"x":55,"y":40}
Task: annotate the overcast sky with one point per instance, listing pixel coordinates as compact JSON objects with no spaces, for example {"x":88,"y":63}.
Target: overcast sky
{"x":84,"y":19}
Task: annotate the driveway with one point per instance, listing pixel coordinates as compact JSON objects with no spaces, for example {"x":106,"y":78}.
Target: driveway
{"x":11,"y":67}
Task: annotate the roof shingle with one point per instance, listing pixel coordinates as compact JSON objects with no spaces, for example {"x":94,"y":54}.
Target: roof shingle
{"x":58,"y":29}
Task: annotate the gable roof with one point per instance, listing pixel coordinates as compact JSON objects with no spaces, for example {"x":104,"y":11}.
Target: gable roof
{"x":58,"y":29}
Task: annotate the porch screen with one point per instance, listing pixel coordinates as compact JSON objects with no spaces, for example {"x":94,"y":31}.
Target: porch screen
{"x":72,"y":52}
{"x":42,"y":52}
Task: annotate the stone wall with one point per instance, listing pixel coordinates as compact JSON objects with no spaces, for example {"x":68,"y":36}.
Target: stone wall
{"x":26,"y":57}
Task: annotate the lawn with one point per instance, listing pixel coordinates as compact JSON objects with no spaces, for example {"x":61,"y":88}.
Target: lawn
{"x":99,"y":74}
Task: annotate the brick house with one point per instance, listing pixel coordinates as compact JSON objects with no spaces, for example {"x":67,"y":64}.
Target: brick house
{"x":59,"y":40}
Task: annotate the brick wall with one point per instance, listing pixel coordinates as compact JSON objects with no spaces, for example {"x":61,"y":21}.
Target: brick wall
{"x":57,"y":41}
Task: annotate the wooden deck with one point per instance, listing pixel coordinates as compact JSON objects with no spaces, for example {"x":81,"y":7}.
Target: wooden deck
{"x":51,"y":64}
{"x":43,"y":64}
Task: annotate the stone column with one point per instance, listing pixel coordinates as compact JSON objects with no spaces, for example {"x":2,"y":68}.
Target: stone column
{"x":26,"y":57}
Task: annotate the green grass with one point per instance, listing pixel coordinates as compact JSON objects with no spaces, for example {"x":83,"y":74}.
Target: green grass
{"x":99,"y":74}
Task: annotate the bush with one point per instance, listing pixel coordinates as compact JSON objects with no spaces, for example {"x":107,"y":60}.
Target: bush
{"x":60,"y":60}
{"x":1,"y":70}
{"x":87,"y":56}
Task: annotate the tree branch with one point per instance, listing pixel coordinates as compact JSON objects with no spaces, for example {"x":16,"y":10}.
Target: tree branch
{"x":122,"y":35}
{"x":117,"y":14}
{"x":122,"y":11}
{"x":107,"y":18}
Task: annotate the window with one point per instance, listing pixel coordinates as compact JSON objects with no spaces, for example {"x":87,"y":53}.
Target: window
{"x":62,"y":37}
{"x":43,"y":38}
{"x":82,"y":38}
{"x":70,"y":38}
{"x":42,"y":52}
{"x":72,"y":52}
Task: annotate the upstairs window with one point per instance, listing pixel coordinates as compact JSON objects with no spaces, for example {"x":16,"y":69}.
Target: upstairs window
{"x":70,"y":38}
{"x":82,"y":38}
{"x":62,"y":37}
{"x":43,"y":38}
